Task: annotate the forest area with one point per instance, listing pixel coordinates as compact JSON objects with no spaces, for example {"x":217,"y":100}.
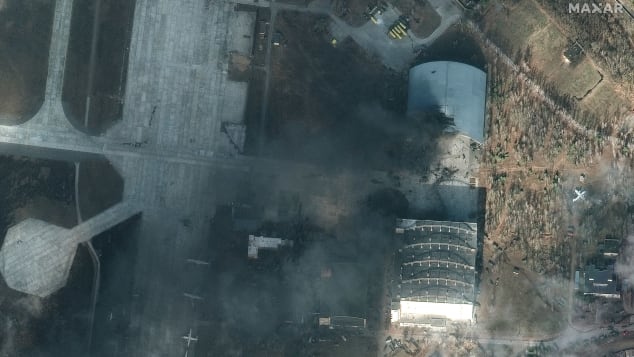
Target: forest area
{"x":541,"y":144}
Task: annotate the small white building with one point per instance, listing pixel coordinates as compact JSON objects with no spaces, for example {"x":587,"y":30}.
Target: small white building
{"x":258,"y":242}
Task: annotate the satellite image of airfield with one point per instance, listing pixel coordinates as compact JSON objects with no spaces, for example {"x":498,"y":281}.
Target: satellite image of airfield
{"x":299,"y":178}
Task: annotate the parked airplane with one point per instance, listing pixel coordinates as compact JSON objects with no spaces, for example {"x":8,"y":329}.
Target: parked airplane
{"x":197,"y":262}
{"x":189,"y":338}
{"x":581,"y":195}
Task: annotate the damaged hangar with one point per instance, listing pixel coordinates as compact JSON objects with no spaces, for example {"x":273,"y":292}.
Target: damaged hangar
{"x":456,"y":90}
{"x":436,"y":274}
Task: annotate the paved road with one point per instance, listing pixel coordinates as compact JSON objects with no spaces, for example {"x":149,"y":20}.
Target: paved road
{"x":267,"y":79}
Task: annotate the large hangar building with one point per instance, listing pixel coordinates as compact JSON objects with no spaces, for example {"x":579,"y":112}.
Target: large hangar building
{"x":436,"y":276}
{"x":454,"y":89}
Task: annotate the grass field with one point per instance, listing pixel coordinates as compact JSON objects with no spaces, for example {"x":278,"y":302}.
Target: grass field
{"x":548,"y":45}
{"x":511,"y":27}
{"x":518,"y":27}
{"x":604,"y":100}
{"x":515,"y":305}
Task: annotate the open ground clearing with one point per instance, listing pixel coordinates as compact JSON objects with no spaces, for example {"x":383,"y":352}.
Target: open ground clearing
{"x":605,"y":102}
{"x":511,"y":24}
{"x":525,"y":32}
{"x":24,"y":45}
{"x":514,"y":306}
{"x":546,"y":54}
{"x":522,"y":28}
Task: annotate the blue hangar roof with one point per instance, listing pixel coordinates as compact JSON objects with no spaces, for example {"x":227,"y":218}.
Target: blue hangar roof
{"x":455,"y":89}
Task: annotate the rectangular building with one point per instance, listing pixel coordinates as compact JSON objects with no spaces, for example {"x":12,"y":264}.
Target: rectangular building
{"x":436,"y":280}
{"x":597,"y":282}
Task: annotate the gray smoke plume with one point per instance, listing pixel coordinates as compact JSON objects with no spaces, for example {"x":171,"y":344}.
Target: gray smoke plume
{"x":625,"y":265}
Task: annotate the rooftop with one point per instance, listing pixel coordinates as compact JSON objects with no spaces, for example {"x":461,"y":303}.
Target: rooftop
{"x":437,"y":271}
{"x":455,"y":89}
{"x":598,"y":282}
{"x":257,"y":242}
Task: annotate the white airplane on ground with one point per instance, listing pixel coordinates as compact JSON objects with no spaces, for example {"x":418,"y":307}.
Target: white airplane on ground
{"x":197,"y":262}
{"x":192,"y":296}
{"x":581,"y":195}
{"x":189,"y":338}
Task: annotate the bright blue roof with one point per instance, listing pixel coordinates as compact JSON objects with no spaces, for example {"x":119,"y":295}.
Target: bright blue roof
{"x":455,"y":89}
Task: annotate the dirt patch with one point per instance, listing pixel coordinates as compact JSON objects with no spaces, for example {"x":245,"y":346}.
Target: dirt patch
{"x":96,"y":65}
{"x":239,"y":67}
{"x":25,"y":35}
{"x":100,"y":187}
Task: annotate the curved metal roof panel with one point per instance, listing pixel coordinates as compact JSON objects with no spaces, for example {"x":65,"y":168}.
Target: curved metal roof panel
{"x":455,"y":89}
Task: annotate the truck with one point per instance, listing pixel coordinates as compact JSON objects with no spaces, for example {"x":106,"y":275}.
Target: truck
{"x":399,"y":28}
